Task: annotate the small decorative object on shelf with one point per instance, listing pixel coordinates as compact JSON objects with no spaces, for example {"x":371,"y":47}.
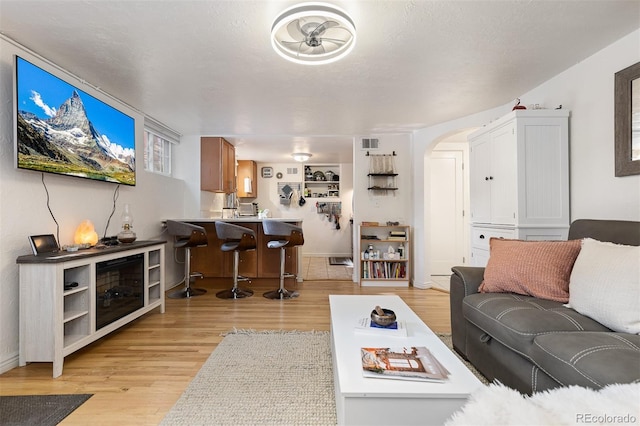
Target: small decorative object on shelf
{"x":518,"y":106}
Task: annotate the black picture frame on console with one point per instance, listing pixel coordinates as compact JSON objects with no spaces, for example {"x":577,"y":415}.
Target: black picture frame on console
{"x":627,"y":121}
{"x":43,"y":244}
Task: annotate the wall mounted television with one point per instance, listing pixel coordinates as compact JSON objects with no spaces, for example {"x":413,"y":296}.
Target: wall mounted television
{"x":62,"y":129}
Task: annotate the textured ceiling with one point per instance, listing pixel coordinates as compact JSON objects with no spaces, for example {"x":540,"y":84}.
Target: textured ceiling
{"x":207,"y":67}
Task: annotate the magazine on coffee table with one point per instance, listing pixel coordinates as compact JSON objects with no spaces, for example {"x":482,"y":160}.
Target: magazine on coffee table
{"x":402,"y":363}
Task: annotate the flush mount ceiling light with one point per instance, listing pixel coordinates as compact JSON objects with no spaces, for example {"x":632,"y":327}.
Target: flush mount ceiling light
{"x":313,"y":34}
{"x":301,"y":156}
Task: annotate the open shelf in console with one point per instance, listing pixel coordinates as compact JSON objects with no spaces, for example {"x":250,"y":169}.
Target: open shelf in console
{"x":154,"y":277}
{"x":76,"y":303}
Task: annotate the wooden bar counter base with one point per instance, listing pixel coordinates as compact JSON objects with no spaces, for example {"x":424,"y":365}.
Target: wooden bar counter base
{"x":260,"y":263}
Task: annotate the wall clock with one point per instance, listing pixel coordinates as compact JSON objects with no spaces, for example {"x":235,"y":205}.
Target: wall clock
{"x":267,"y":172}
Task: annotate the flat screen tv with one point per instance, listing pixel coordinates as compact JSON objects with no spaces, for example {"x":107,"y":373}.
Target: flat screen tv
{"x":62,"y":129}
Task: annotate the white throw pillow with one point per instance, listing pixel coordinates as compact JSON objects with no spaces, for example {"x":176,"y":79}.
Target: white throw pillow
{"x":605,"y":285}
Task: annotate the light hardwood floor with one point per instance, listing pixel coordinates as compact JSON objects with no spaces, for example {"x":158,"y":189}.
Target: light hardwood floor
{"x":138,"y":372}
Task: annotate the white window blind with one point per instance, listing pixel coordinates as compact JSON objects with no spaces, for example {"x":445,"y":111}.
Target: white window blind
{"x":158,"y":141}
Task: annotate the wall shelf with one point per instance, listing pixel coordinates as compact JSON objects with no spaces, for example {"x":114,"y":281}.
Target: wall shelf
{"x":382,"y":182}
{"x":322,"y":181}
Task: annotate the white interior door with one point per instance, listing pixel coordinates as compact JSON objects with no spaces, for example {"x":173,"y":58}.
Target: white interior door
{"x":447,"y":210}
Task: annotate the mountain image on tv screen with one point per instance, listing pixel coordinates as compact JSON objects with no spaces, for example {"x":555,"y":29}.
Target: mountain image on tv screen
{"x":61,"y":129}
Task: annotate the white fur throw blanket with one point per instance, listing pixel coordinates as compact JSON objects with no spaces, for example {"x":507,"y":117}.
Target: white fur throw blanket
{"x":497,"y":404}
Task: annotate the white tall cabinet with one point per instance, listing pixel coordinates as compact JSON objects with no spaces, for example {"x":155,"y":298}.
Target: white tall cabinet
{"x":519,"y":179}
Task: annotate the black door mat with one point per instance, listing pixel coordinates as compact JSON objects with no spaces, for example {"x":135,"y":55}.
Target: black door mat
{"x":41,"y":410}
{"x":344,"y":261}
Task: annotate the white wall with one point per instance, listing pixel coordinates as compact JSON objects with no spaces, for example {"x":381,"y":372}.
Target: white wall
{"x":321,"y":238}
{"x":23,"y":209}
{"x":586,"y":89}
{"x":377,"y":206}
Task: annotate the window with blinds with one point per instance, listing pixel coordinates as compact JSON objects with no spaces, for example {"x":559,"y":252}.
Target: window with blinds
{"x":158,"y":142}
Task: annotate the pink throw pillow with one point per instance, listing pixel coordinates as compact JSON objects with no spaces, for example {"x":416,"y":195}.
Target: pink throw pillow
{"x":534,"y":268}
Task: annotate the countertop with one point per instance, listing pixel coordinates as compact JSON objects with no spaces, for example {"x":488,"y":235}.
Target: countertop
{"x":250,"y":219}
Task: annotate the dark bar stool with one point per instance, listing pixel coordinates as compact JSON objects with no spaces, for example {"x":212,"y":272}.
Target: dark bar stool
{"x":187,"y":235}
{"x":236,"y":238}
{"x":285,"y":235}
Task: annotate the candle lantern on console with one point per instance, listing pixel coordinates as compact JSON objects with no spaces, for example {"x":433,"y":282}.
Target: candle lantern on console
{"x":126,"y":235}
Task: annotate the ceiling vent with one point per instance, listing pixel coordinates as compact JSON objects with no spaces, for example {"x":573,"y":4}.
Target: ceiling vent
{"x":370,"y":143}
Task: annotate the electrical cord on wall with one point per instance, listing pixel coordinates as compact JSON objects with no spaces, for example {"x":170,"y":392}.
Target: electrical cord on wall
{"x":51,"y":213}
{"x":116,"y":193}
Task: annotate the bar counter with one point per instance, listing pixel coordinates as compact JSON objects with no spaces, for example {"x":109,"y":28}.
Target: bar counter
{"x":259,"y":263}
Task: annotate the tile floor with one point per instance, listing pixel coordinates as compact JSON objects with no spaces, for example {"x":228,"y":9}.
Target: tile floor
{"x":319,"y":269}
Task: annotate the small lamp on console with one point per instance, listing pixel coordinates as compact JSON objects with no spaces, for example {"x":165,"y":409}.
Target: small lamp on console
{"x":86,"y":234}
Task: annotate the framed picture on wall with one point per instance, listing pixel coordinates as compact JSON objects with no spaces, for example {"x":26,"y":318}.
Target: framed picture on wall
{"x":627,"y":121}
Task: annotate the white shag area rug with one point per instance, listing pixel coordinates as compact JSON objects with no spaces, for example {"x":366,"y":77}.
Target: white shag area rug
{"x":497,"y":404}
{"x":261,"y":378}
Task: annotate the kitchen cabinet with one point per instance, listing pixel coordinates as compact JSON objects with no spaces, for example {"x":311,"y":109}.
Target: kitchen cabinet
{"x":385,"y":255}
{"x":217,"y":165}
{"x":247,"y":181}
{"x":519,"y":179}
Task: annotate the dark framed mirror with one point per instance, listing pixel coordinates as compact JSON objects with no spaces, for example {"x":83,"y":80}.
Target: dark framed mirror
{"x":627,"y":121}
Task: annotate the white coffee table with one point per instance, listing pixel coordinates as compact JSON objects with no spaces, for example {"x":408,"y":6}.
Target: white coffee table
{"x":372,"y":401}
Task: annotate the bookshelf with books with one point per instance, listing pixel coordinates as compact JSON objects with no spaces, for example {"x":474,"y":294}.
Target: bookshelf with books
{"x":385,"y":256}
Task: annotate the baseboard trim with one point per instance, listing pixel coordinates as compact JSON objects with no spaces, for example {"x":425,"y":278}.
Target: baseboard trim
{"x":9,"y":363}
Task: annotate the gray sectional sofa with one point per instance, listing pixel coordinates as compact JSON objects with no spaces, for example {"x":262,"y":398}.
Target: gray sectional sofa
{"x":531,"y":344}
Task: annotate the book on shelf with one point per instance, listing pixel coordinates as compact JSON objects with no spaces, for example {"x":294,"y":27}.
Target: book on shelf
{"x":366,"y":326}
{"x":384,"y":269}
{"x":414,"y":363}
